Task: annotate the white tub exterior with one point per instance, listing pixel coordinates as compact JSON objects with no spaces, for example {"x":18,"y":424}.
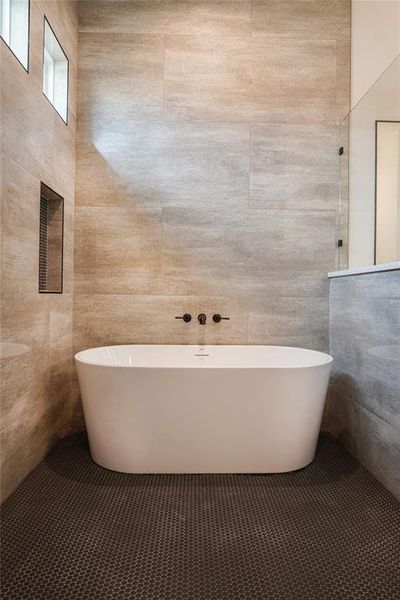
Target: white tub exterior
{"x":203,"y":409}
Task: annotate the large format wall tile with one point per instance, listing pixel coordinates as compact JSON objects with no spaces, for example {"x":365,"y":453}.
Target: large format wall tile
{"x":225,"y":17}
{"x":364,"y":341}
{"x":20,"y":199}
{"x":300,"y":19}
{"x":301,"y":322}
{"x":36,"y":329}
{"x":130,"y":266}
{"x":162,"y":164}
{"x":125,"y":319}
{"x":242,"y":253}
{"x":131,"y":82}
{"x":25,"y":343}
{"x":294,"y":166}
{"x":217,"y":191}
{"x":253,"y":79}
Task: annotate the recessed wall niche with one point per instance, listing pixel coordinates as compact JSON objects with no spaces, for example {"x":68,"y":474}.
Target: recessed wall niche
{"x":51,"y":237}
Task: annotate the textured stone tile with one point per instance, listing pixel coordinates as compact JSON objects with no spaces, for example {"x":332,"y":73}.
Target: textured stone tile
{"x":25,"y":324}
{"x":278,"y":253}
{"x":61,"y":178}
{"x":368,"y":286}
{"x":301,"y":322}
{"x":20,"y":226}
{"x":343,"y":53}
{"x":162,"y":164}
{"x":125,"y":319}
{"x":25,"y":442}
{"x":377,"y":446}
{"x":143,"y":16}
{"x":121,"y":77}
{"x":307,"y":19}
{"x":294,"y":166}
{"x":118,"y":250}
{"x":35,"y":126}
{"x":37,"y":146}
{"x":225,"y":17}
{"x":364,"y":341}
{"x":250,"y":79}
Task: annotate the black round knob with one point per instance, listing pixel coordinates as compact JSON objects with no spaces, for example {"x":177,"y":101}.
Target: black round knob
{"x":187,"y":318}
{"x":217,"y":318}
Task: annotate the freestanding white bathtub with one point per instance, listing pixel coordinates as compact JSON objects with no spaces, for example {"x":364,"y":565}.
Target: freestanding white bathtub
{"x":203,"y":409}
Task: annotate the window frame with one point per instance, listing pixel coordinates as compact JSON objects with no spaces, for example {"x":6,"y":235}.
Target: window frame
{"x":45,"y":20}
{"x":26,"y":68}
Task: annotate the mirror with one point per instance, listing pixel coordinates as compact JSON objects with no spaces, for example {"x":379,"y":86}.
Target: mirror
{"x":387,"y":199}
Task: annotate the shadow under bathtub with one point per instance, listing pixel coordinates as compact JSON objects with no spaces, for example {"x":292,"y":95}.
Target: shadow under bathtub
{"x":70,"y":459}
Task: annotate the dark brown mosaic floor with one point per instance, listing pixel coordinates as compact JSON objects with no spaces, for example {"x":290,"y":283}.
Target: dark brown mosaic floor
{"x":76,"y":531}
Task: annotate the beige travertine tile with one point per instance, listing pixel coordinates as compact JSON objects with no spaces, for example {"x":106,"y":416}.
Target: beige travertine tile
{"x":301,"y":322}
{"x":60,"y":367}
{"x":222,"y":17}
{"x":34,"y":126}
{"x":36,"y":146}
{"x":250,"y":79}
{"x":162,"y":164}
{"x":121,"y":77}
{"x":26,"y":441}
{"x":343,"y":50}
{"x":61,"y":177}
{"x":125,"y":319}
{"x":307,"y":19}
{"x":20,"y":225}
{"x":249,"y":252}
{"x":118,"y":250}
{"x":25,"y":324}
{"x":294,"y":166}
{"x":143,"y":16}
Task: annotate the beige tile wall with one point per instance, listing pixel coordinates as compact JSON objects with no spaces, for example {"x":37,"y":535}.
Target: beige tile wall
{"x":36,"y":329}
{"x":207,"y":169}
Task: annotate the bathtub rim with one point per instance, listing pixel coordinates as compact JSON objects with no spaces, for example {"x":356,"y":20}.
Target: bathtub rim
{"x":328,"y":359}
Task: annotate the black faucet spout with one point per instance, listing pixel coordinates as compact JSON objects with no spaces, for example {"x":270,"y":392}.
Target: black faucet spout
{"x":202,"y":319}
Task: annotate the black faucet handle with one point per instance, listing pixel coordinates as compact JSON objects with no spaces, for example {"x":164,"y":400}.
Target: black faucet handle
{"x":217,"y":318}
{"x":186,"y":317}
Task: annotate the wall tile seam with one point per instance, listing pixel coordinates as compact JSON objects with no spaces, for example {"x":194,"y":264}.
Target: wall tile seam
{"x":68,"y":199}
{"x":148,"y":207}
{"x":379,"y":418}
{"x":233,"y":296}
{"x":192,"y":121}
{"x":339,"y":297}
{"x":306,"y":38}
{"x":350,"y":399}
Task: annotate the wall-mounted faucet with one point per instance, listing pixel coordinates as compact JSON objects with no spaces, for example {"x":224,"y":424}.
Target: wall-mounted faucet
{"x":186,"y":317}
{"x":217,"y":318}
{"x":202,"y":318}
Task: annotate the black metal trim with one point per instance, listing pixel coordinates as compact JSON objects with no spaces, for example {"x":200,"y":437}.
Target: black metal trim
{"x":62,"y":238}
{"x":26,"y":69}
{"x":45,"y":20}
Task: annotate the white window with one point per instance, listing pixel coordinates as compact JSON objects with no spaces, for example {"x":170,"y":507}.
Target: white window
{"x":14,"y":28}
{"x":55,"y":72}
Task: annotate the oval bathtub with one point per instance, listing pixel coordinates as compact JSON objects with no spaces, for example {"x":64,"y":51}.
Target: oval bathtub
{"x":203,"y":409}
